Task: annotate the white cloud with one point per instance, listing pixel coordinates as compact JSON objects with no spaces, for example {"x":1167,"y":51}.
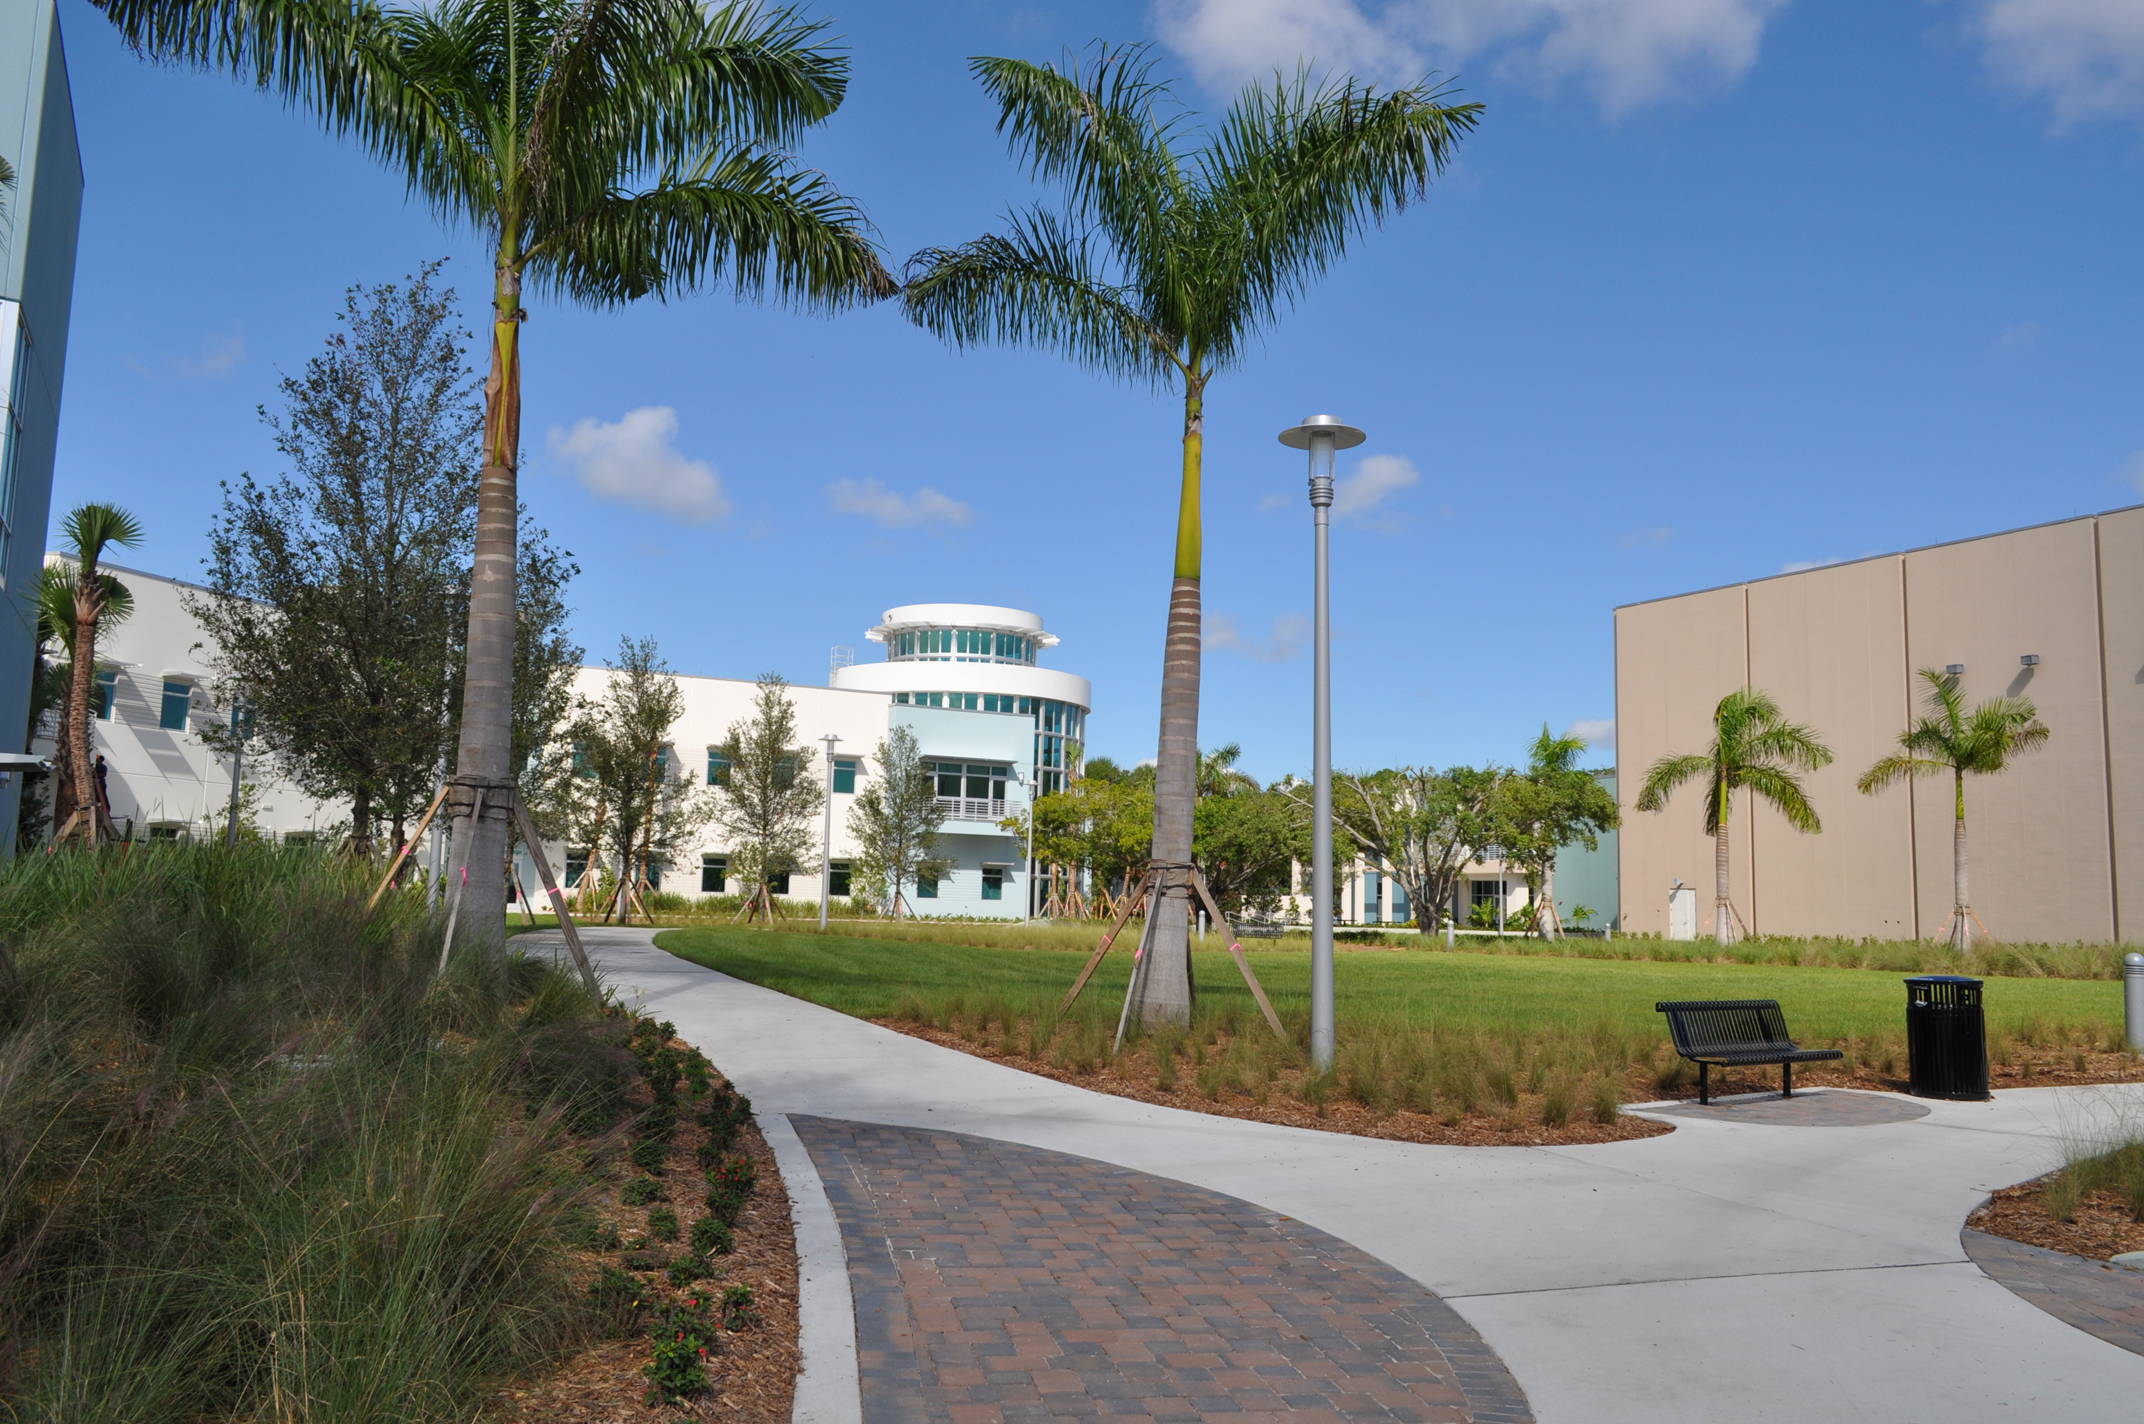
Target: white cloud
{"x":1626,"y":53}
{"x":1357,"y":496}
{"x":1291,"y":632}
{"x":635,"y":462}
{"x":1276,"y":501}
{"x":892,"y":510}
{"x":2132,"y":472}
{"x":1645,"y":538}
{"x":1593,"y":731}
{"x":2085,"y":57}
{"x":218,"y":355}
{"x":1804,"y":565}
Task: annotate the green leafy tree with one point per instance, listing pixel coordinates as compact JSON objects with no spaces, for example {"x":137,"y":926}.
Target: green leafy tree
{"x":1246,"y":838}
{"x":1548,"y":806}
{"x":1952,"y":740}
{"x":88,"y":531}
{"x":1167,"y":262}
{"x":1753,"y":746}
{"x":894,"y":822}
{"x":767,"y":799}
{"x":1420,"y":825}
{"x":609,"y":150}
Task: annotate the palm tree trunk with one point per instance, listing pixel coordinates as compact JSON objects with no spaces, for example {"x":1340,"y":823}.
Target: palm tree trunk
{"x":485,"y":753}
{"x":78,"y":742}
{"x":1961,"y":915}
{"x":1723,"y":922}
{"x":1545,"y":917}
{"x":1165,"y":995}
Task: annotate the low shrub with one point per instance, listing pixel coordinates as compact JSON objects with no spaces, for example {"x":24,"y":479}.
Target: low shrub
{"x":729,"y":1187}
{"x":738,"y":1312}
{"x":685,"y":1335}
{"x":640,"y":1191}
{"x":662,"y":1223}
{"x":649,"y":1153}
{"x":689,"y":1266}
{"x":712,"y":1237}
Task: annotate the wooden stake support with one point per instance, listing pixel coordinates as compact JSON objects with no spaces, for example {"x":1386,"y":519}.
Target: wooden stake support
{"x":1235,"y":950}
{"x":1152,"y":883}
{"x":558,"y":898}
{"x":408,"y":845}
{"x":1094,"y":961}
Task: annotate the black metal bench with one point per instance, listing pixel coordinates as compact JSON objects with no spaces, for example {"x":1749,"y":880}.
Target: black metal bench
{"x":1736,"y":1033}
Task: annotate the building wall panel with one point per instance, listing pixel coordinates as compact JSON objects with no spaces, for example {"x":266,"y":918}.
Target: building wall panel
{"x":2037,"y":832}
{"x":1675,"y":659}
{"x":2121,"y":601}
{"x":1830,"y":646}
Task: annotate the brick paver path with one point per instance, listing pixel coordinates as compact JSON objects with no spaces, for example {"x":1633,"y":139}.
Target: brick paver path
{"x":1001,"y":1282}
{"x":1821,"y":1108}
{"x":2102,"y":1300}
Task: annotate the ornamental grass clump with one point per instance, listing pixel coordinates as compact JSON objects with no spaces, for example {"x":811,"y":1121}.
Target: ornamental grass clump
{"x":259,"y":1150}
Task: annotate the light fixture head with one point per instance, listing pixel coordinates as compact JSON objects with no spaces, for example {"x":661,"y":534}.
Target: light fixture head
{"x":1955,"y":669}
{"x":2029,"y":660}
{"x":1345,"y":437}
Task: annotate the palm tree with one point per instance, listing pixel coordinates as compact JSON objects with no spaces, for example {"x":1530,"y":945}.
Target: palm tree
{"x":537,"y":123}
{"x":1951,"y":739}
{"x":52,"y":687}
{"x":89,"y":530}
{"x":1753,"y":745}
{"x":1163,"y":268}
{"x":1549,"y":812}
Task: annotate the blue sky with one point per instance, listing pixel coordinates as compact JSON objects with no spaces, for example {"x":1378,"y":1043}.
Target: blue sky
{"x":1719,"y":287}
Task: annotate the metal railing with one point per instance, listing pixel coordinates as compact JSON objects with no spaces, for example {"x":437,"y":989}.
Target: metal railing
{"x":968,"y":808}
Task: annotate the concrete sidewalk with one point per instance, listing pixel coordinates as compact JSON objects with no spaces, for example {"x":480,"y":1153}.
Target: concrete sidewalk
{"x":1730,"y":1270}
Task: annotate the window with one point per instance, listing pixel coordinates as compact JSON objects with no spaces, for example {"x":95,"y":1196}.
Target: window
{"x":986,"y":783}
{"x":1373,"y":897}
{"x":926,"y":888}
{"x":580,"y":759}
{"x":785,"y":771}
{"x":297,"y":838}
{"x":654,"y":873}
{"x":778,"y":884}
{"x":107,"y":689}
{"x":178,"y":697}
{"x":714,"y":873}
{"x":15,"y":334}
{"x":168,"y":834}
{"x":948,"y":778}
{"x":845,"y":779}
{"x":1485,"y":893}
{"x":993,"y":883}
{"x":576,"y":867}
{"x":1402,"y":911}
{"x":718,"y":768}
{"x":837,"y":878}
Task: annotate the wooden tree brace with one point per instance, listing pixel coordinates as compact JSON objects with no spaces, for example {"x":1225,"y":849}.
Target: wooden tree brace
{"x":558,"y":898}
{"x":1094,"y":961}
{"x":1235,"y":950}
{"x":407,"y":845}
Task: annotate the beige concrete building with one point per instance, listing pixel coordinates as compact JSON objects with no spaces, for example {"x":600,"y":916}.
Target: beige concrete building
{"x":2054,"y":613}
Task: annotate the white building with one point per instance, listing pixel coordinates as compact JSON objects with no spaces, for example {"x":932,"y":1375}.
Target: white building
{"x":993,"y":725}
{"x":151,"y":700}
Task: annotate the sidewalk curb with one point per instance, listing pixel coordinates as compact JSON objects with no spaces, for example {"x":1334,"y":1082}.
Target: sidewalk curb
{"x":829,"y":1388}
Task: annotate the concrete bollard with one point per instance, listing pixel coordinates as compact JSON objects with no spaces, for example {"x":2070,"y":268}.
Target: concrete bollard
{"x":2133,"y":999}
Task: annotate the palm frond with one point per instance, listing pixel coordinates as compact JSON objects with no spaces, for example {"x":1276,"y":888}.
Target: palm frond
{"x":1784,"y":790}
{"x":90,"y":528}
{"x":1665,"y":775}
{"x":1891,"y":769}
{"x":749,"y":214}
{"x":1038,"y":284}
{"x":1094,"y":127}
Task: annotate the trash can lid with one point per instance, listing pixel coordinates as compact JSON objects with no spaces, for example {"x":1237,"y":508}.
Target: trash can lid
{"x":1942,"y":979}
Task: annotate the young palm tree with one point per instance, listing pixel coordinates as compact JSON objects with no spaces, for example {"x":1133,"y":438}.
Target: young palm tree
{"x":609,"y":150}
{"x":52,"y":688}
{"x":89,"y":530}
{"x":1753,"y":745}
{"x":1951,"y":739}
{"x":1164,"y":267}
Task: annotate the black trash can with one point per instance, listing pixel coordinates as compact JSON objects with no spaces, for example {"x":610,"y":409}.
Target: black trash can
{"x":1946,"y":1038}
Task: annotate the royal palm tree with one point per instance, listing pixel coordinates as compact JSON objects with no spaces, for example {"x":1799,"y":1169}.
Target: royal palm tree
{"x":89,"y":530}
{"x":1166,"y":262}
{"x":1754,"y":746}
{"x":1952,"y":740}
{"x":608,"y":150}
{"x":1551,"y":804}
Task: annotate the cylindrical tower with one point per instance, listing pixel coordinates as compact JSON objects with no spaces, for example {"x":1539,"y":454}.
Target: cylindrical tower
{"x":984,"y":659}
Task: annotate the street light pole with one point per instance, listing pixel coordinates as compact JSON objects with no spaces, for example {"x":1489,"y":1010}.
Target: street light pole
{"x":826,"y":850}
{"x":1322,"y":436}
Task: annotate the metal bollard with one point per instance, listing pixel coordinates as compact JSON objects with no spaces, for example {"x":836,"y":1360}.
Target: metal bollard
{"x":2133,"y":999}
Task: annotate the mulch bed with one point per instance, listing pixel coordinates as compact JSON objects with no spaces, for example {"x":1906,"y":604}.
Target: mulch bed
{"x":754,"y":1376}
{"x":1520,"y":1127}
{"x":2028,"y":1068}
{"x":2102,"y":1228}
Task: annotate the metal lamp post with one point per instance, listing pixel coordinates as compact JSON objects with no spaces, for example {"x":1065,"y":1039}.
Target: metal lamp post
{"x":826,"y":847}
{"x":1322,"y":436}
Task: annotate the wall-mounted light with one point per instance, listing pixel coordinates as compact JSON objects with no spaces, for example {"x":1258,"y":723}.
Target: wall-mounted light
{"x":1955,"y":669}
{"x":2029,"y":660}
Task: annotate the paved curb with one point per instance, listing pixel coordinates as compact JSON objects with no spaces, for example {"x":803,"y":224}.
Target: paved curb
{"x":829,"y":1389}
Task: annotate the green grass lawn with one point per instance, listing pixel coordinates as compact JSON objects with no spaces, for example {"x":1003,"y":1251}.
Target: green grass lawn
{"x":1427,"y":990}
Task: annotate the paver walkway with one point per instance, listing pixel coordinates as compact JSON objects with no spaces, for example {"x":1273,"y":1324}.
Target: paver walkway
{"x":1733,"y":1269}
{"x":2103,"y":1300}
{"x":994,"y":1281}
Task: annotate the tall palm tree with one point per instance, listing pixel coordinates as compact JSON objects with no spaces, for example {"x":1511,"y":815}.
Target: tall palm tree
{"x":1550,"y":762}
{"x":608,"y":150}
{"x":1951,"y":739}
{"x":52,"y":688}
{"x":1754,"y":746}
{"x":1166,"y":262}
{"x":89,"y":530}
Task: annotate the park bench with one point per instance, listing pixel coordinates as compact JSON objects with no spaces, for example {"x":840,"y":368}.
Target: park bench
{"x":1736,"y":1033}
{"x":1257,"y":929}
